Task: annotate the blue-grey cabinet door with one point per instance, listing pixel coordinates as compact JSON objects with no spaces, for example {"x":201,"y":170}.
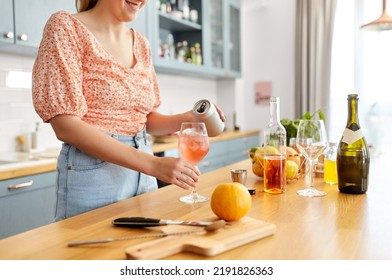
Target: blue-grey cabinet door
{"x":232,"y":19}
{"x":222,"y":37}
{"x":6,"y":23}
{"x":213,"y":36}
{"x":31,"y":16}
{"x":238,"y":148}
{"x":24,"y":207}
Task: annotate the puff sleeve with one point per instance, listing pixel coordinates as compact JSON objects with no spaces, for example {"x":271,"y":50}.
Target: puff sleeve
{"x":57,"y":71}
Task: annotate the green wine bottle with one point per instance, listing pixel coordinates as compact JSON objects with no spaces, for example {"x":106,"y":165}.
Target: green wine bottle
{"x":353,"y":159}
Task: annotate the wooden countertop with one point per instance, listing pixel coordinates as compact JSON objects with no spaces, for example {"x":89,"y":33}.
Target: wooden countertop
{"x":26,"y":168}
{"x":336,"y":226}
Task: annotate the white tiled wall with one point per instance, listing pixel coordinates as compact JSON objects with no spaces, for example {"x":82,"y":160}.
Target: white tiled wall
{"x":17,"y":115}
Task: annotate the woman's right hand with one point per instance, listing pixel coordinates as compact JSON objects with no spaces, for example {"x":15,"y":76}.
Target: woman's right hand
{"x":176,"y":171}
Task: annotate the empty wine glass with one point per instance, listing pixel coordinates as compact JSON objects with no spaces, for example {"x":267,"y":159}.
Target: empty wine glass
{"x":311,"y":141}
{"x":193,"y":146}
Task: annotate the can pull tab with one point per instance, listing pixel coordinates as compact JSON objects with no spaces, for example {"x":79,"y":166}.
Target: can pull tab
{"x":202,"y":107}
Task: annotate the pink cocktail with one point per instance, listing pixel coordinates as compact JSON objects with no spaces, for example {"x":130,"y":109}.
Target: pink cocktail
{"x":193,"y":146}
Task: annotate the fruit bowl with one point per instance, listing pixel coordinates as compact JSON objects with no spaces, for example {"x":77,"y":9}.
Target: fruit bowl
{"x":296,"y":166}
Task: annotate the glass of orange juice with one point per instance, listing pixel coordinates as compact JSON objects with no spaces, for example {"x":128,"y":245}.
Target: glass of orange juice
{"x":193,"y":146}
{"x":330,"y":169}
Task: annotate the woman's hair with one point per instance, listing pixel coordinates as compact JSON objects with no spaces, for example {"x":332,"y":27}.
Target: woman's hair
{"x":84,"y":5}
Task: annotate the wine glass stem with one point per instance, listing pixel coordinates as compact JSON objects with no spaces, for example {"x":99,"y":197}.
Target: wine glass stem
{"x":193,"y":192}
{"x":311,"y":172}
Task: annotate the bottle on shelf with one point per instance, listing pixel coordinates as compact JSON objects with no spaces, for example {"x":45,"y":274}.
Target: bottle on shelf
{"x":185,"y":9}
{"x":198,"y":56}
{"x":192,"y":55}
{"x":353,"y":159}
{"x":180,"y":5}
{"x":162,"y":6}
{"x":180,"y":52}
{"x":174,"y":5}
{"x":168,"y":7}
{"x":274,"y":151}
{"x":170,"y":46}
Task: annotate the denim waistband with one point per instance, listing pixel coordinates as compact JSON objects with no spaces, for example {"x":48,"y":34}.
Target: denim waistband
{"x":140,"y":136}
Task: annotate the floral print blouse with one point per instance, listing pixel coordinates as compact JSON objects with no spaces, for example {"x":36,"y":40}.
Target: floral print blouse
{"x":73,"y":74}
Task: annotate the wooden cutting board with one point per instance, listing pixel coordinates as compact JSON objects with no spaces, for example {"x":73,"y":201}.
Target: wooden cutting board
{"x":233,"y":235}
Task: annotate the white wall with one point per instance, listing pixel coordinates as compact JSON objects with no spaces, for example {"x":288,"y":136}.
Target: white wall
{"x":267,"y":55}
{"x":179,"y":94}
{"x":268,"y":41}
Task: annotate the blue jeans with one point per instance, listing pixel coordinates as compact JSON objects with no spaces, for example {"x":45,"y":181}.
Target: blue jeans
{"x":85,"y":183}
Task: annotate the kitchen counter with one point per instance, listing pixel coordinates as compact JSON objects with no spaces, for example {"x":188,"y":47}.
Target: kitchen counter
{"x":336,"y":226}
{"x":22,"y":164}
{"x":47,"y":163}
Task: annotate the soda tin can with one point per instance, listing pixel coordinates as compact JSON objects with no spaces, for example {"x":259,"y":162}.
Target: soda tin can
{"x":205,"y":111}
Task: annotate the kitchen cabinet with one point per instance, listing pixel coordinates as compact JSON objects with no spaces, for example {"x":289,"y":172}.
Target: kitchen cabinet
{"x":216,"y":30}
{"x":18,"y":34}
{"x":223,"y":32}
{"x":22,"y":22}
{"x":223,"y":153}
{"x":216,"y":157}
{"x":7,"y":22}
{"x":238,"y":148}
{"x":214,"y":35}
{"x":26,"y":203}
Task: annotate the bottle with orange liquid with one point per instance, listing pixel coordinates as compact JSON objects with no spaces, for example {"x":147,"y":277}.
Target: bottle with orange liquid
{"x":274,"y":151}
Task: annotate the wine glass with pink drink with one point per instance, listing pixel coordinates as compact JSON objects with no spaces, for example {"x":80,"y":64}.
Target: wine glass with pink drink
{"x":193,"y":146}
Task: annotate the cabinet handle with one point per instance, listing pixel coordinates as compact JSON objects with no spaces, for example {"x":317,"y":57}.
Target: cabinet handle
{"x":23,"y":37}
{"x":9,"y":35}
{"x":20,"y":186}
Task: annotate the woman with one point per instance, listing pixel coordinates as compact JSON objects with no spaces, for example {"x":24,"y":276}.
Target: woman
{"x":94,"y":82}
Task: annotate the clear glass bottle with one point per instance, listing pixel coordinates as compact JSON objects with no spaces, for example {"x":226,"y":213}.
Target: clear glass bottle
{"x":274,"y":151}
{"x":185,"y":9}
{"x":353,"y":159}
{"x":330,"y":169}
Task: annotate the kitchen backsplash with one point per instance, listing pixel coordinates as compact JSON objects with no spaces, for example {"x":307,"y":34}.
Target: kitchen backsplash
{"x":17,"y":115}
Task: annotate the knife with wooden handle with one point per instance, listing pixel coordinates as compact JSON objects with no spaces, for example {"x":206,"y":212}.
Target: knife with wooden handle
{"x":136,"y":222}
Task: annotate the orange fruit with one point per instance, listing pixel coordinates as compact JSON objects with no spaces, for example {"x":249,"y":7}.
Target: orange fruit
{"x":230,"y":201}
